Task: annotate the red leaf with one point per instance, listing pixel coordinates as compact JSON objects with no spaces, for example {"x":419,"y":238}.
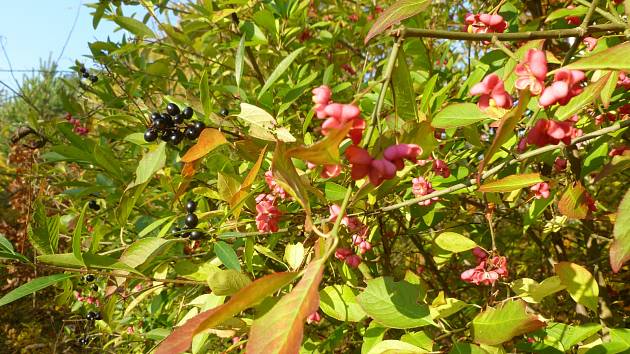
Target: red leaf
{"x":208,"y":141}
{"x":180,"y":339}
{"x":400,"y":10}
{"x":280,"y":330}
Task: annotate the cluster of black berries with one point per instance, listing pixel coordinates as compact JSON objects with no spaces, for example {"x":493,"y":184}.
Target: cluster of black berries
{"x":170,"y":126}
{"x":84,"y":341}
{"x":90,"y":278}
{"x":191,"y":222}
{"x":92,"y":204}
{"x":86,"y":75}
{"x":93,"y":316}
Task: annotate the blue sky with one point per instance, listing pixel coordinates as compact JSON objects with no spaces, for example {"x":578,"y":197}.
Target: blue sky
{"x":31,"y":30}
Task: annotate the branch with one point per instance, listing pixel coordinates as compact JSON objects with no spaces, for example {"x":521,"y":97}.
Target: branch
{"x":584,"y":26}
{"x":499,"y":167}
{"x":512,"y":36}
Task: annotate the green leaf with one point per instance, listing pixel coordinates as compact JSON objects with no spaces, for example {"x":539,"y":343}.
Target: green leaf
{"x":89,"y":260}
{"x":154,"y":225}
{"x":620,"y":248}
{"x":294,"y":255}
{"x":76,"y":235}
{"x":105,"y":158}
{"x":128,"y":201}
{"x":533,"y":292}
{"x":579,"y":102}
{"x":339,"y":302}
{"x":458,"y":115}
{"x":497,"y":325}
{"x":134,"y":26}
{"x":579,"y":282}
{"x":427,"y":92}
{"x":419,"y":339}
{"x":287,"y":177}
{"x":227,"y":255}
{"x":204,"y":94}
{"x":280,"y":69}
{"x":33,"y":286}
{"x":43,"y":231}
{"x":394,"y":304}
{"x":373,"y":335}
{"x":143,"y":250}
{"x":568,"y":336}
{"x":561,"y":13}
{"x":391,"y":346}
{"x":238,"y":61}
{"x":613,"y":58}
{"x":227,"y":282}
{"x":227,"y":186}
{"x":573,"y":202}
{"x":151,"y":162}
{"x":180,"y":339}
{"x":280,"y":330}
{"x":404,"y":96}
{"x":260,"y":122}
{"x":334,"y":192}
{"x":466,"y":348}
{"x":443,"y":306}
{"x":609,"y":88}
{"x":511,"y":183}
{"x":454,"y":242}
{"x":400,"y":10}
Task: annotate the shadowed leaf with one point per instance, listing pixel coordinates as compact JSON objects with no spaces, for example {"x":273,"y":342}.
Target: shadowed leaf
{"x":620,"y":248}
{"x":497,"y":325}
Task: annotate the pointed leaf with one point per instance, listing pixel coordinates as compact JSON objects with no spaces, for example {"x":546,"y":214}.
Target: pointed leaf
{"x":573,"y":202}
{"x":340,"y":302}
{"x":458,"y":115}
{"x":280,"y":330}
{"x":134,"y":26}
{"x":238,"y":61}
{"x":209,"y":140}
{"x":43,"y":231}
{"x":579,"y":282}
{"x":613,"y":58}
{"x":454,"y":242}
{"x":394,"y":304}
{"x":280,"y":69}
{"x":391,"y":346}
{"x":620,"y":248}
{"x":227,"y":255}
{"x":325,"y":151}
{"x":511,"y":183}
{"x":204,"y":94}
{"x":400,"y":10}
{"x":497,"y":325}
{"x":287,"y":177}
{"x":405,"y":98}
{"x":143,"y":250}
{"x":181,"y":338}
{"x":33,"y":286}
{"x":76,"y":235}
{"x":151,"y":162}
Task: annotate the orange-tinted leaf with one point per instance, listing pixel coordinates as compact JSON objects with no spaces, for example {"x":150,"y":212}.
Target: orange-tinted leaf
{"x":325,"y":151}
{"x":573,"y":202}
{"x":189,"y":169}
{"x":511,"y":183}
{"x":249,"y":179}
{"x":620,"y":248}
{"x":180,"y":339}
{"x":208,"y":140}
{"x":399,"y":11}
{"x":287,"y":177}
{"x":280,"y":330}
{"x":505,"y":131}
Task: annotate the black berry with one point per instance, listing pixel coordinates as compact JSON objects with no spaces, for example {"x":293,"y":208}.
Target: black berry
{"x":91,"y":316}
{"x":191,"y":133}
{"x":191,"y":220}
{"x":90,"y":278}
{"x":166,"y":135}
{"x":92,"y":204}
{"x":159,"y":123}
{"x":172,"y":109}
{"x":83,"y":341}
{"x":94,"y":78}
{"x":199,"y":126}
{"x":176,"y":137}
{"x":187,"y":112}
{"x":95,"y":287}
{"x":154,"y":116}
{"x":150,"y":135}
{"x":224,"y":112}
{"x":86,"y":75}
{"x":196,"y":235}
{"x":186,"y":234}
{"x":178,"y":119}
{"x":176,"y":232}
{"x":168,"y":120}
{"x":191,"y":206}
{"x":82,"y":69}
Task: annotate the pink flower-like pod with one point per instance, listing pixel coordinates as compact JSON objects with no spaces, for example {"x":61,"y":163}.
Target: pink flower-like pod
{"x":422,"y":187}
{"x":268,"y":214}
{"x":315,"y":317}
{"x":356,"y":132}
{"x":541,"y":190}
{"x":566,"y":85}
{"x":624,"y":80}
{"x":560,"y":164}
{"x":360,"y":161}
{"x":343,"y":112}
{"x":330,"y":171}
{"x":618,"y":151}
{"x":342,"y":253}
{"x":353,"y":261}
{"x":573,"y":20}
{"x":547,"y":132}
{"x":400,"y":152}
{"x":485,"y":23}
{"x":273,"y":186}
{"x":441,"y":168}
{"x":321,"y":95}
{"x":479,"y":254}
{"x":492,"y":93}
{"x":381,"y":170}
{"x":590,"y":42}
{"x":532,"y":72}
